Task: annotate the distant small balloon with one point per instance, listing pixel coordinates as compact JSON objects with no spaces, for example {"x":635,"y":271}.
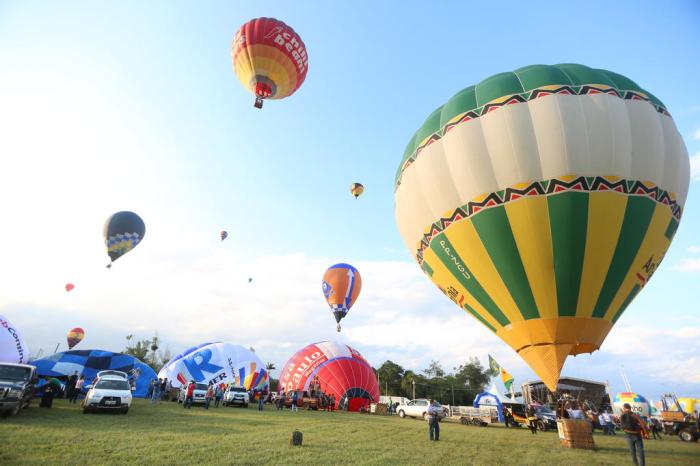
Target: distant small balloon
{"x":356,"y":189}
{"x":224,"y":235}
{"x":250,"y":280}
{"x":69,"y":286}
{"x":75,"y":336}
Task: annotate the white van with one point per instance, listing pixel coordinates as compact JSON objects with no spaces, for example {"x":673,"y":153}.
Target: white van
{"x":393,"y":399}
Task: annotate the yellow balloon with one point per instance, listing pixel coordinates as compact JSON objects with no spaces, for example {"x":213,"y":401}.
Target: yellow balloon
{"x":541,"y":201}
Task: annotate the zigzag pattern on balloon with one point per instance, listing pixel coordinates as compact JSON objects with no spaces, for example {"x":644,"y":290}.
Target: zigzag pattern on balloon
{"x":121,"y":242}
{"x":524,"y":97}
{"x":546,"y":188}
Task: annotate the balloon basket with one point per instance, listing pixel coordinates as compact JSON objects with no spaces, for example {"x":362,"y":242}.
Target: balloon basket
{"x":576,"y":433}
{"x":258,"y":102}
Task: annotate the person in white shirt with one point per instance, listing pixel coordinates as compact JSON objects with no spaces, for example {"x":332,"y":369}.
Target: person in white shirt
{"x":433,"y":421}
{"x":603,"y":423}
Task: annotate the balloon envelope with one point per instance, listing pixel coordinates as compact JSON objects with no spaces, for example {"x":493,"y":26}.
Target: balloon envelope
{"x":74,"y":336}
{"x":356,"y":189}
{"x":218,"y":363}
{"x":122,"y":232}
{"x":541,"y":201}
{"x":637,"y":402}
{"x":224,"y":235}
{"x":69,"y":286}
{"x":341,"y":286}
{"x":89,"y":362}
{"x":339,"y":369}
{"x":12,"y":346}
{"x":269,"y":58}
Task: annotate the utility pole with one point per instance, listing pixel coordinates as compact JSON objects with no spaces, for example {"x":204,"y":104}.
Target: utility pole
{"x":386,"y":388}
{"x":414,"y":388}
{"x":453,"y":394}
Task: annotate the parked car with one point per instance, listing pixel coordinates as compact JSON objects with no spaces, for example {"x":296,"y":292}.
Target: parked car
{"x":546,"y":418}
{"x":303,"y":400}
{"x":198,"y":397}
{"x":121,"y":374}
{"x":418,"y":408}
{"x":236,"y":396}
{"x":16,"y":387}
{"x":110,"y":393}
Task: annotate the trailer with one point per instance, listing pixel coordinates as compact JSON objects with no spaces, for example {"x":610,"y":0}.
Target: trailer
{"x":481,"y":417}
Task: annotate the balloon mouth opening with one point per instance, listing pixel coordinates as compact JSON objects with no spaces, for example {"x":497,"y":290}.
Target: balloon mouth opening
{"x":264,"y":87}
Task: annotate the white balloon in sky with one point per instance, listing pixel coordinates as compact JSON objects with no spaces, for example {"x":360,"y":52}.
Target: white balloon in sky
{"x":12,"y":346}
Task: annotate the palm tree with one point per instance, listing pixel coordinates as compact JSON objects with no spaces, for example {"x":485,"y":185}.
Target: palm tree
{"x":270,"y":367}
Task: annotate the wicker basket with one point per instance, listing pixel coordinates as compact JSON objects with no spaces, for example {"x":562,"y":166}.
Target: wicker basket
{"x":575,"y":433}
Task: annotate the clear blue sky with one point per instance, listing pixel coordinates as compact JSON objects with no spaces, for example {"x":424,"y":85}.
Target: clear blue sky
{"x":278,"y":179}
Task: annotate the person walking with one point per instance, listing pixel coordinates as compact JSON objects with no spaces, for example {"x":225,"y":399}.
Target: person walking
{"x":209,"y":395}
{"x":532,"y":419}
{"x":634,"y":429}
{"x":155,"y":394}
{"x":655,"y":427}
{"x":506,"y":416}
{"x":609,"y":424}
{"x":261,"y":401}
{"x":433,"y":415}
{"x":295,"y":397}
{"x":163,"y":389}
{"x":189,"y":395}
{"x":603,"y":423}
{"x":77,"y":389}
{"x":280,"y":401}
{"x":70,"y":386}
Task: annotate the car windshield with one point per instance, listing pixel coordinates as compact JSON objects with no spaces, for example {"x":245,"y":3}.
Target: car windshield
{"x":201,"y":386}
{"x":14,"y":373}
{"x":237,"y":389}
{"x":113,"y":384}
{"x":543,"y":410}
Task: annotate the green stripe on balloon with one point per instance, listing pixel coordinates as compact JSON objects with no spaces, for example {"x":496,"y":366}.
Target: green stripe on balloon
{"x":635,"y":224}
{"x":448,"y":256}
{"x":495,"y":232}
{"x":626,"y":302}
{"x":568,"y":217}
{"x":473,"y":312}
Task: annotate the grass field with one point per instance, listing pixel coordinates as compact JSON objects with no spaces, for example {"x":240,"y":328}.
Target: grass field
{"x":169,"y":434}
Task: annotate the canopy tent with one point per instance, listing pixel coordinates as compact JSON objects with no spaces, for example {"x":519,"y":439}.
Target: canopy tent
{"x":89,"y":362}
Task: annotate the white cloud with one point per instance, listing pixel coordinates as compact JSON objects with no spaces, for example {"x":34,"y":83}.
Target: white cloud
{"x":696,"y":135}
{"x":688,"y":265}
{"x":695,"y":167}
{"x":694,"y":249}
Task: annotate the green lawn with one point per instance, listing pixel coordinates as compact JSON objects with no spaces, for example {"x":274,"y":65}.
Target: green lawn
{"x":169,"y":434}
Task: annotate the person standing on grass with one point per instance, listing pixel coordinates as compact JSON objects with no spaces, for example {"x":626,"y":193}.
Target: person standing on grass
{"x":603,"y":424}
{"x":433,"y":415}
{"x":655,"y":427}
{"x":261,"y":401}
{"x":163,"y":388}
{"x":70,"y":386}
{"x":218,"y":394}
{"x":634,"y":429}
{"x":280,"y":401}
{"x":155,"y":394}
{"x":295,"y":397}
{"x":78,"y":388}
{"x":532,"y":419}
{"x":209,"y":395}
{"x":189,"y":395}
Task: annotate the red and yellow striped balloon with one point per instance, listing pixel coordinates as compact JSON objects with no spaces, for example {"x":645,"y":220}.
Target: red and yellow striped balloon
{"x":269,"y":59}
{"x":75,"y":336}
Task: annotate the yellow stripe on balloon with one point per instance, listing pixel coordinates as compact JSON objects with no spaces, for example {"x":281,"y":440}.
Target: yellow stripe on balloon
{"x":606,"y":211}
{"x":443,"y":278}
{"x":529,"y":221}
{"x":270,"y":62}
{"x":466,"y":240}
{"x":653,"y":247}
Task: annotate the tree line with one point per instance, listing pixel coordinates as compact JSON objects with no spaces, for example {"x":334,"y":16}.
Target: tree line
{"x":458,"y":387}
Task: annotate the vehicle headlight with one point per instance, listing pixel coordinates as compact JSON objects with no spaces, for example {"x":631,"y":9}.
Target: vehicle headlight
{"x":15,"y":393}
{"x":95,"y":396}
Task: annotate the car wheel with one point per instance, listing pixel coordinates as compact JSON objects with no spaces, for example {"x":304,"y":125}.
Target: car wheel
{"x":125,"y":410}
{"x":687,"y":436}
{"x":15,"y":410}
{"x":402,"y":414}
{"x":425,"y":416}
{"x":85,"y":410}
{"x":245,"y":405}
{"x":464,"y":420}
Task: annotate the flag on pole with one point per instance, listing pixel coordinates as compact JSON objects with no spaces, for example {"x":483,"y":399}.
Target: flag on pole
{"x":495,"y":369}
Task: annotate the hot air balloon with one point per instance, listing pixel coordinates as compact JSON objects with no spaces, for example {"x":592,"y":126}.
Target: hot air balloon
{"x":337,"y":369}
{"x":224,"y":235}
{"x":69,"y":286}
{"x":356,"y":189}
{"x":541,"y":201}
{"x":122,"y":232}
{"x":217,"y":362}
{"x":250,"y":279}
{"x":341,"y":286}
{"x":269,"y":59}
{"x":13,"y":349}
{"x":75,"y":336}
{"x":638,"y":403}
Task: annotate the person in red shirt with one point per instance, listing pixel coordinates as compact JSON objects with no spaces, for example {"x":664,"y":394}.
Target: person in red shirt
{"x":189,"y":395}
